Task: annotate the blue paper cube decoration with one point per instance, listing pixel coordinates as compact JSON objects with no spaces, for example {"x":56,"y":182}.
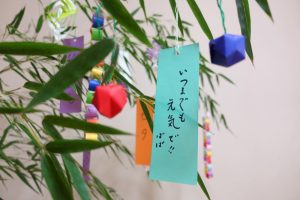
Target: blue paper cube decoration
{"x":93,"y":84}
{"x":98,"y":21}
{"x":227,"y":50}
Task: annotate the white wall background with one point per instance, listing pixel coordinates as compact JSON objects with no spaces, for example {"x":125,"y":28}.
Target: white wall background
{"x":261,"y":160}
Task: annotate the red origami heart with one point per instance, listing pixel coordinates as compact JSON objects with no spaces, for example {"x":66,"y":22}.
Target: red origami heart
{"x":110,"y":99}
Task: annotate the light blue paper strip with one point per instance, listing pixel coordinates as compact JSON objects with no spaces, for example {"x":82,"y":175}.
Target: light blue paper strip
{"x":175,"y":145}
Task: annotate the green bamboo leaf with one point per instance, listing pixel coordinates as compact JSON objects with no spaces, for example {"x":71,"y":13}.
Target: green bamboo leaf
{"x":200,"y":18}
{"x":147,"y":115}
{"x":202,"y":186}
{"x":39,"y":24}
{"x":265,"y":6}
{"x":34,"y":48}
{"x":15,"y":110}
{"x":121,"y":14}
{"x":73,"y":71}
{"x":14,"y":25}
{"x":74,"y":146}
{"x":245,"y":24}
{"x":75,"y":123}
{"x":142,"y":3}
{"x":174,"y":7}
{"x":76,"y":176}
{"x":55,"y":178}
{"x":37,"y":86}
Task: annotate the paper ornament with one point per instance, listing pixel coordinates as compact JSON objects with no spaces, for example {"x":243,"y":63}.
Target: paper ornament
{"x":89,"y":97}
{"x":110,"y":99}
{"x":57,"y":17}
{"x":98,"y":20}
{"x":91,"y":112}
{"x":96,"y":34}
{"x":207,"y":146}
{"x":70,"y":106}
{"x":74,"y":42}
{"x":97,"y":72}
{"x":93,"y":84}
{"x":227,"y":50}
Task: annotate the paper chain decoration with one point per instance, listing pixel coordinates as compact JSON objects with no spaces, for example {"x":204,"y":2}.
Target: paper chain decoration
{"x":207,"y":146}
{"x":57,"y":15}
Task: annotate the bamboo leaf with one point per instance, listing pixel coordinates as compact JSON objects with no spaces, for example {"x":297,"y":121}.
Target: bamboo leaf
{"x":34,"y":48}
{"x":39,"y":24}
{"x":75,"y":123}
{"x":202,"y":186}
{"x":37,"y":86}
{"x":15,"y":110}
{"x":55,"y":178}
{"x":265,"y":6}
{"x":200,"y":18}
{"x":142,"y":3}
{"x":73,"y":146}
{"x":245,"y":24}
{"x":76,"y":177}
{"x":174,"y":7}
{"x":147,"y":115}
{"x":73,"y":71}
{"x":121,"y":14}
{"x":14,"y":25}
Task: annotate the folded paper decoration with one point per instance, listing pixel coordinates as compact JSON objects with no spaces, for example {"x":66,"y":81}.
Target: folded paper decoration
{"x":98,"y":20}
{"x":227,"y":50}
{"x":57,"y":15}
{"x":96,"y":34}
{"x":93,"y":84}
{"x":174,"y":155}
{"x":143,"y":136}
{"x":91,"y":112}
{"x":110,"y":99}
{"x":74,"y":42}
{"x":72,"y":106}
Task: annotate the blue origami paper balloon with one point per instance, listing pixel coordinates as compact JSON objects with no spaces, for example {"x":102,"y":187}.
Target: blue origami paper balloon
{"x":93,"y":84}
{"x":227,"y":50}
{"x":98,"y":21}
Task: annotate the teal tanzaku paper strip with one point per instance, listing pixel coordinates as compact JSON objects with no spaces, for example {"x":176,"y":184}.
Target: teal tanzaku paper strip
{"x":175,"y":134}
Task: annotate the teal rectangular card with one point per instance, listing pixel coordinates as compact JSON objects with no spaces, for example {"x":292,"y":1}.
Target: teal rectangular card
{"x":174,"y":155}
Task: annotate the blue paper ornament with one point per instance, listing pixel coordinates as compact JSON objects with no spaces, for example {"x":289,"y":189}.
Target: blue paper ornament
{"x":93,"y":84}
{"x":227,"y":50}
{"x":98,"y":21}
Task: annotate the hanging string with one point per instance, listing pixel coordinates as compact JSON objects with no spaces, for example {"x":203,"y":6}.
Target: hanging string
{"x":176,"y":28}
{"x":222,"y":14}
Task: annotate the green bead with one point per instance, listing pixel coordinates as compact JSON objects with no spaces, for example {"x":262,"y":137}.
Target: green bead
{"x":97,"y":34}
{"x":89,"y":97}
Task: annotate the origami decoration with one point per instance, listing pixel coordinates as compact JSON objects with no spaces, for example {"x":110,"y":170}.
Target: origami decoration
{"x":71,"y":106}
{"x":207,"y":146}
{"x":98,"y":20}
{"x":91,"y":112}
{"x":89,"y":97}
{"x":227,"y":50}
{"x":110,"y":99}
{"x":56,"y":16}
{"x":74,"y":42}
{"x":93,"y":84}
{"x":96,"y":34}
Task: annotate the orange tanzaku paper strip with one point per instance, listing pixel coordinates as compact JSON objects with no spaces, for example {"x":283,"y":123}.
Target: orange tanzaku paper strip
{"x":143,"y":136}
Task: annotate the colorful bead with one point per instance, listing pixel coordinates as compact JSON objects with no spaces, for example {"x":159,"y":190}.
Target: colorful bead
{"x":91,"y":136}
